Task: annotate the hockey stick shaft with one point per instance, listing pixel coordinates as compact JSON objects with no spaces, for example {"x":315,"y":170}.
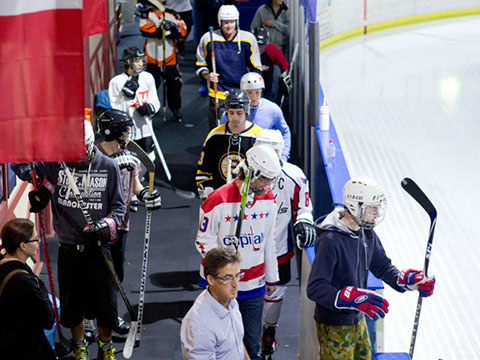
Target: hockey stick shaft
{"x":164,"y":69}
{"x":159,"y":152}
{"x":245,"y":188}
{"x":290,"y":68}
{"x":214,"y":68}
{"x":89,"y":221}
{"x":414,"y":190}
{"x":43,"y":236}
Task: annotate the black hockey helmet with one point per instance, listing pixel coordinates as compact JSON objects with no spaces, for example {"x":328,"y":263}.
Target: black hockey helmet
{"x":262,"y":35}
{"x":113,"y":124}
{"x":131,"y":53}
{"x":237,"y":99}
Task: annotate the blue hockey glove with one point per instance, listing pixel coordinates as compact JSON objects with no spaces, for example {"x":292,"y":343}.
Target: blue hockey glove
{"x":412,"y":279}
{"x":366,"y":301}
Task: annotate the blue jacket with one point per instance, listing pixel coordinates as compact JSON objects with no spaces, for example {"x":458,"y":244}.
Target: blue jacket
{"x":342,"y":259}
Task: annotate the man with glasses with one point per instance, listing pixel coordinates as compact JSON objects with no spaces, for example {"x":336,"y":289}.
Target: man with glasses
{"x":213,"y":326}
{"x":220,"y":215}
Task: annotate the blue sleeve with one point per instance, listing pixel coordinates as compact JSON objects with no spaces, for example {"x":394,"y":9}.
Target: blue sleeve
{"x":282,"y":126}
{"x":319,"y":288}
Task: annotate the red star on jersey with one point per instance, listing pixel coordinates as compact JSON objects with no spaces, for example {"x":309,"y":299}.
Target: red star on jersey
{"x":261,"y":215}
{"x":245,"y":216}
{"x":228,"y":218}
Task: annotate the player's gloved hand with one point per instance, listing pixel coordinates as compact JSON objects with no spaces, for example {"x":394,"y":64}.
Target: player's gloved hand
{"x":172,"y":30}
{"x":152,"y":201}
{"x":125,"y":160}
{"x":39,"y":198}
{"x":412,"y":279}
{"x":146,"y":109}
{"x":22,"y":170}
{"x":101,"y":232}
{"x":286,"y":83}
{"x":130,"y":88}
{"x":203,"y":192}
{"x":366,"y":301}
{"x":305,"y":233}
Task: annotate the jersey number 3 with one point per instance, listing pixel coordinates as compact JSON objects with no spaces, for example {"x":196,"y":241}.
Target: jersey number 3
{"x":204,"y":224}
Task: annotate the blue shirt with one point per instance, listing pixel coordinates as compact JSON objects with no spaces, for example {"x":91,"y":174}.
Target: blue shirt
{"x":210,"y":331}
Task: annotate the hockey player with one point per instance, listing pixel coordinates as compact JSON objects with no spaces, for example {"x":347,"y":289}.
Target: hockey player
{"x":264,"y":112}
{"x":219,"y":215}
{"x":115,"y":126}
{"x":346,"y":249}
{"x":134,"y":92}
{"x":153,"y":21}
{"x":236,"y":52}
{"x":86,"y":285}
{"x":226,"y":145}
{"x":270,"y":55}
{"x":292,"y":196}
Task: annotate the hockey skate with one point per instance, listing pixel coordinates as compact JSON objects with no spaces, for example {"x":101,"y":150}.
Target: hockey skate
{"x":269,"y":344}
{"x":89,"y":330}
{"x":106,"y":352}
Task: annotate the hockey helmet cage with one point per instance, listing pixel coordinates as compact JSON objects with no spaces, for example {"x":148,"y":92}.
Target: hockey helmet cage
{"x":112,"y":124}
{"x":237,"y":99}
{"x":252,"y":81}
{"x":366,"y":201}
{"x":132,"y":53}
{"x":264,"y":162}
{"x":262,"y":35}
{"x":89,"y":138}
{"x":227,"y":12}
{"x":272,"y":138}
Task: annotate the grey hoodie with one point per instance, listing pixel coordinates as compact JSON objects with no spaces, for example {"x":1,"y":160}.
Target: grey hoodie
{"x":278,"y":33}
{"x":343,"y":258}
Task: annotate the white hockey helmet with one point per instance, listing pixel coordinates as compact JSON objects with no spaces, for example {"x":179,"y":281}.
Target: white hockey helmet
{"x":252,"y":81}
{"x":272,"y":138}
{"x":265,"y":166}
{"x":89,"y":138}
{"x":366,"y":201}
{"x":227,"y":12}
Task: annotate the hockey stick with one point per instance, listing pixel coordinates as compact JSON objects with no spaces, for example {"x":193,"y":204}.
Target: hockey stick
{"x":130,"y":342}
{"x":294,"y":58}
{"x":245,"y":187}
{"x":183,"y":194}
{"x":43,"y":235}
{"x":151,"y":169}
{"x":164,"y":68}
{"x":214,"y":68}
{"x":412,"y":188}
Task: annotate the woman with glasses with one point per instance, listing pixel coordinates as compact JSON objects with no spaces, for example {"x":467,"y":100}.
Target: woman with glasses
{"x":25,"y":308}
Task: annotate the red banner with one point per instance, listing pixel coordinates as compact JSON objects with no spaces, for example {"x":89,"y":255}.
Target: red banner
{"x":94,"y":17}
{"x":41,"y":81}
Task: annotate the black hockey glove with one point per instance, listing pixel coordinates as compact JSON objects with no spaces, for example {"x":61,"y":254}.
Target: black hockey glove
{"x":39,"y":198}
{"x":130,"y":88}
{"x":146,"y":109}
{"x":125,"y":160}
{"x":285,"y":83}
{"x":101,"y":232}
{"x":172,"y":30}
{"x":23,"y":171}
{"x":152,"y":201}
{"x":305,"y":233}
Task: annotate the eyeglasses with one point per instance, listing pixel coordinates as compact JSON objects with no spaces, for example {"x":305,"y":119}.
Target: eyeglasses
{"x":229,"y":278}
{"x":32,"y":240}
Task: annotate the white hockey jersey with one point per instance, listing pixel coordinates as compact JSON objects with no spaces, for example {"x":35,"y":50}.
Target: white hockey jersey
{"x":293,"y":201}
{"x":218,"y":222}
{"x":147,"y":92}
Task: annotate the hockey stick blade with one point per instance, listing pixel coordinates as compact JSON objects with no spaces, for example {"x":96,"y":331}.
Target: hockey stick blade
{"x":414,"y":191}
{"x":130,"y":342}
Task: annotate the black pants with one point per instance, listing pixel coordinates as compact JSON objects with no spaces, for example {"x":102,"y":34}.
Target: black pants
{"x":212,"y":120}
{"x":117,"y":250}
{"x":188,"y":18}
{"x":174,"y":83}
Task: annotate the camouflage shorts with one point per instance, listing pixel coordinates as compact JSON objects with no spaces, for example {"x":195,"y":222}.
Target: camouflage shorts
{"x":349,"y":342}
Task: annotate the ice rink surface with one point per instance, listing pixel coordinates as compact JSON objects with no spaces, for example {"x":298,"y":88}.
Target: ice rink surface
{"x":406,"y":103}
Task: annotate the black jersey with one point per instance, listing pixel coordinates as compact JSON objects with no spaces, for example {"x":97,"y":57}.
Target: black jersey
{"x":221,"y":146}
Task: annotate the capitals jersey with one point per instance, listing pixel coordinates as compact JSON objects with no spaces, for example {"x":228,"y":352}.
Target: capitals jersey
{"x":218,"y":222}
{"x":232,"y":61}
{"x":221,"y":146}
{"x":293,"y":200}
{"x":150,"y":22}
{"x":146,"y":92}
